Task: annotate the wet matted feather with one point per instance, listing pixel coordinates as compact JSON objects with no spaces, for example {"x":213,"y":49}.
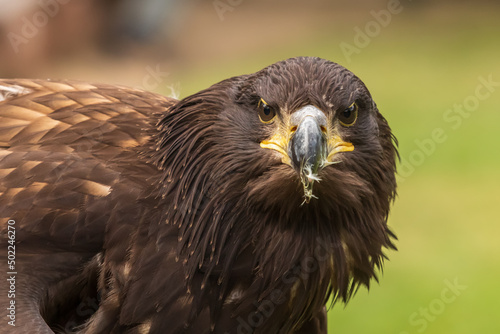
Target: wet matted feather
{"x":243,"y":207}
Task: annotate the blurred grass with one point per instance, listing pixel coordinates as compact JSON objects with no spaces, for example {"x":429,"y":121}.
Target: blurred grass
{"x":446,"y":215}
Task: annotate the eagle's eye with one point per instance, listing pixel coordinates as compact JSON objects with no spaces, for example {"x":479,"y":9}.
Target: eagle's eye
{"x":266,"y":112}
{"x":348,"y":116}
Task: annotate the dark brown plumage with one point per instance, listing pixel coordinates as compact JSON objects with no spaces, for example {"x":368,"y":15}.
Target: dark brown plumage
{"x":239,"y":209}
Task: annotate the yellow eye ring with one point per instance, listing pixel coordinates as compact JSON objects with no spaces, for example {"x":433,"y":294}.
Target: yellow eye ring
{"x":266,"y":112}
{"x":349,"y":116}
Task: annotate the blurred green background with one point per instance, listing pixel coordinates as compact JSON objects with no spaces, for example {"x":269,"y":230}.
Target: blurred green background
{"x":422,"y":63}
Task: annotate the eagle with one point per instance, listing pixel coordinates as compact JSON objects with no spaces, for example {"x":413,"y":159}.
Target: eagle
{"x":248,"y":207}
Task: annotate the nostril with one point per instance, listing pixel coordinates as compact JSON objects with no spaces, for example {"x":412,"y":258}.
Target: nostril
{"x":323,"y":129}
{"x":293,"y":129}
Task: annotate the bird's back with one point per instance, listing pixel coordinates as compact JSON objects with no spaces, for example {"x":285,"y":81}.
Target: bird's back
{"x":72,"y":157}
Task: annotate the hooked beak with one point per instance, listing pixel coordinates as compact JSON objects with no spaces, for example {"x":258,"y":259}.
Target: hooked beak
{"x":308,"y":145}
{"x":307,"y":148}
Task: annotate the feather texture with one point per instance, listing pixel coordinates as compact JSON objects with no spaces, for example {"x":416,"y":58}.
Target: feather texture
{"x":171,"y":215}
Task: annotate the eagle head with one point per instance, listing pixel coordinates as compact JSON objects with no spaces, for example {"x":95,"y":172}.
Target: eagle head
{"x":317,"y":124}
{"x":265,"y":166}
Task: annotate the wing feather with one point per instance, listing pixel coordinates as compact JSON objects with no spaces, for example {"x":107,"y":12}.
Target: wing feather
{"x":71,"y":163}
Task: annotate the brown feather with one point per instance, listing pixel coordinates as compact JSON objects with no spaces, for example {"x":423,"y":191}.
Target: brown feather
{"x":176,"y":215}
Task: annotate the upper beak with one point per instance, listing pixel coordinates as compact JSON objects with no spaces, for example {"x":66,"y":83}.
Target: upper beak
{"x":308,"y":145}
